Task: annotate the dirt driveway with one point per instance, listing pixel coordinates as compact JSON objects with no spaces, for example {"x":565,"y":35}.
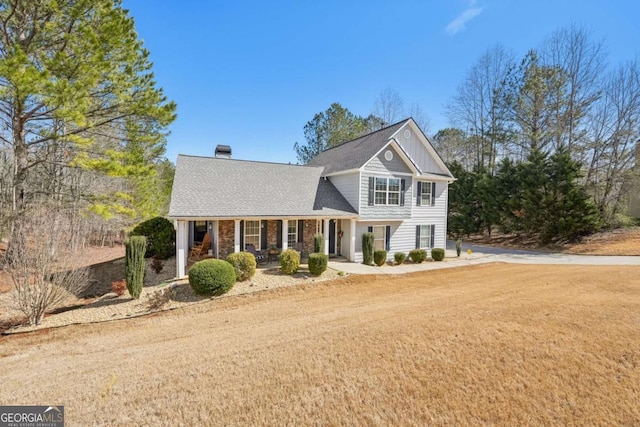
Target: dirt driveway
{"x":488,"y":344}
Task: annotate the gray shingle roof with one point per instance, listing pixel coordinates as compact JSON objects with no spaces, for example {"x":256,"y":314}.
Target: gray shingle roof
{"x":355,"y":153}
{"x":208,"y":187}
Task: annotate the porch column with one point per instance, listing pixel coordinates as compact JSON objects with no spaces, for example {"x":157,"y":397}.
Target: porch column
{"x":352,"y":240}
{"x":236,"y":236}
{"x":326,"y":236}
{"x":285,"y":234}
{"x":182,"y":247}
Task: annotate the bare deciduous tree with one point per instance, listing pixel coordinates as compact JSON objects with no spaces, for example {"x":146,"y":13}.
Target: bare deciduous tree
{"x":613,"y":136}
{"x":582,"y":60}
{"x":389,"y":106}
{"x":477,"y":109}
{"x":45,"y":268}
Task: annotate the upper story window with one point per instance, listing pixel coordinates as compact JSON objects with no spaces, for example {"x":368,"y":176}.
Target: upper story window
{"x":386,"y":191}
{"x":426,"y":193}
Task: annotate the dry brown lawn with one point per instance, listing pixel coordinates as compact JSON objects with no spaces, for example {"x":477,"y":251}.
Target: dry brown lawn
{"x":485,"y":345}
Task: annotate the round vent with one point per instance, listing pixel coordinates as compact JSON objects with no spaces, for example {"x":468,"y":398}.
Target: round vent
{"x":407,"y":133}
{"x":388,"y":155}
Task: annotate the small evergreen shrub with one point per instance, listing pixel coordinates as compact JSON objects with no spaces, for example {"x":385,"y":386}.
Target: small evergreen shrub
{"x":367,"y":248}
{"x":318,"y":263}
{"x":437,"y":254}
{"x":244,"y":264}
{"x":161,"y":237}
{"x":118,"y":287}
{"x":399,"y":257}
{"x":418,"y":255}
{"x":380,"y":257}
{"x":135,"y":248}
{"x":212,"y":277}
{"x":289,"y":261}
{"x":318,"y":243}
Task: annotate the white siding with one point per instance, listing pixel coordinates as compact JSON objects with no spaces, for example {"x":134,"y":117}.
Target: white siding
{"x":403,"y":235}
{"x":417,"y":152}
{"x":439,"y":208}
{"x":380,"y":167}
{"x":348,"y":185}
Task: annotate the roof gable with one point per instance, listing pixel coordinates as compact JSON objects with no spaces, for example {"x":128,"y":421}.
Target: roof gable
{"x":419,"y":150}
{"x":416,"y":151}
{"x":355,"y":153}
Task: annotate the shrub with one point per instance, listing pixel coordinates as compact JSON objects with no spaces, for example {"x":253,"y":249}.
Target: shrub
{"x":318,"y":243}
{"x":399,"y":257}
{"x":134,"y":265}
{"x":380,"y":257}
{"x":318,"y":263}
{"x":118,"y":287}
{"x":156,"y":264}
{"x":244,"y":264}
{"x":161,"y":237}
{"x":289,"y":261}
{"x":211,"y":277}
{"x":418,"y":255}
{"x":437,"y":254}
{"x":367,"y":248}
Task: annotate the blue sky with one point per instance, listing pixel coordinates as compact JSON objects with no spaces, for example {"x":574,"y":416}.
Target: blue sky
{"x":250,"y":74}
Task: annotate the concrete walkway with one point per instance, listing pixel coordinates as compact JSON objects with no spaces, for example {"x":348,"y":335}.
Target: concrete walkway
{"x":489,"y":255}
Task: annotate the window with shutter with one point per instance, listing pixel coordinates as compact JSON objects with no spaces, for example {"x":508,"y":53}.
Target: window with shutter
{"x":426,"y":193}
{"x":424,"y":236}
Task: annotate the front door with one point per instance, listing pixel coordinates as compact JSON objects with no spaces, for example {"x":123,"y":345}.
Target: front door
{"x":199,"y":230}
{"x":332,"y":237}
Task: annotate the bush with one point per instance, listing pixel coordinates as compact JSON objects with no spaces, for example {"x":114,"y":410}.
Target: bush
{"x":437,"y":254}
{"x":418,"y":255}
{"x":134,"y":264}
{"x":289,"y":261}
{"x":161,"y":237}
{"x":318,"y":263}
{"x":118,"y":287}
{"x":367,"y":248}
{"x":318,"y":243}
{"x":156,"y":264}
{"x":211,"y":277}
{"x":380,"y":257}
{"x":399,"y":257}
{"x":244,"y":264}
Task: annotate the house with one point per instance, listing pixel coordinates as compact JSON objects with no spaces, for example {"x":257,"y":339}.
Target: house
{"x":390,"y":182}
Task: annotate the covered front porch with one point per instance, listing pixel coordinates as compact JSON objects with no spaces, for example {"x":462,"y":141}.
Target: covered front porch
{"x":228,"y":235}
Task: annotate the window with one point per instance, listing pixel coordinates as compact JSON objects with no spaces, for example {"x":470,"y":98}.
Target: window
{"x":292,"y":233}
{"x":424,"y":236}
{"x":252,"y":233}
{"x":426,"y":193}
{"x":387,"y":191}
{"x":379,"y":237}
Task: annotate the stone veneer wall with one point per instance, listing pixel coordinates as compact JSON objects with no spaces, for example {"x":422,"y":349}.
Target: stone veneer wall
{"x":307,"y":237}
{"x":226,"y":239}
